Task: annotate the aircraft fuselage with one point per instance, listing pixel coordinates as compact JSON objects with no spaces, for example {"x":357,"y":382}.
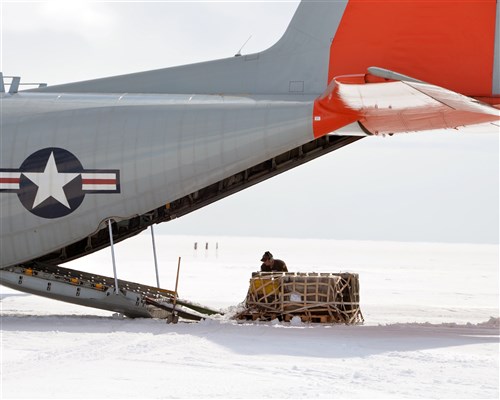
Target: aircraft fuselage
{"x":72,"y":161}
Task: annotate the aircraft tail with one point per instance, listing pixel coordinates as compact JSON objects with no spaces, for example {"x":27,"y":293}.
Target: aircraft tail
{"x":450,"y":44}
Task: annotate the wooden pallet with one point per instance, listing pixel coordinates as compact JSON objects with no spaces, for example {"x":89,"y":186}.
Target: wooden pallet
{"x":316,"y":298}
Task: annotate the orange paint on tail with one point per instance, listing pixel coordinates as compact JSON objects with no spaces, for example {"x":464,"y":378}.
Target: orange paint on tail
{"x":330,"y":112}
{"x":445,"y":43}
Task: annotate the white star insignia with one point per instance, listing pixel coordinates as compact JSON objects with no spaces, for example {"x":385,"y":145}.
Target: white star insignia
{"x":50,"y":183}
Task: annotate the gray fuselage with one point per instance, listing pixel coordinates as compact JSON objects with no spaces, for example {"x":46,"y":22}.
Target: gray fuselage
{"x":162,"y":147}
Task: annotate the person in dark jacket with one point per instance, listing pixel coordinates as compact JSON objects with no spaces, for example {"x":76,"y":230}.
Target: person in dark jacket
{"x":270,"y":264}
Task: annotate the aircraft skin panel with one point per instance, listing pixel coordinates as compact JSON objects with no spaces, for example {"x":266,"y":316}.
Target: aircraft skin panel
{"x":146,"y":155}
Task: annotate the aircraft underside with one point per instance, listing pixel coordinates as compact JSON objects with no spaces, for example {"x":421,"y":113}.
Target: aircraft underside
{"x":126,"y":228}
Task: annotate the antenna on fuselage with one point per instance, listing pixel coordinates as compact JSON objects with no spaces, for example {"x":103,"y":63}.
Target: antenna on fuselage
{"x":238,"y":54}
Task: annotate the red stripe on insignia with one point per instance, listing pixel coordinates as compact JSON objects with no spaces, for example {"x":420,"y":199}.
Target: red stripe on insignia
{"x":98,"y":181}
{"x":9,"y":180}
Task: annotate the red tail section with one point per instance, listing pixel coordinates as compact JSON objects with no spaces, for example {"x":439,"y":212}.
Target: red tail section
{"x":445,"y":43}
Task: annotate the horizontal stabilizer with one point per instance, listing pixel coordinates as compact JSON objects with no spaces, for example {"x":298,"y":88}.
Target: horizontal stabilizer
{"x":385,"y":102}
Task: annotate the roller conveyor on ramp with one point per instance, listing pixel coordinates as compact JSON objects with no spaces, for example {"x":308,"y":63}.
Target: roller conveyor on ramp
{"x":91,"y":290}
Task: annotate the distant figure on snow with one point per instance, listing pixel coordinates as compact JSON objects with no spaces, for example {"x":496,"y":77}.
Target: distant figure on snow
{"x":270,"y":264}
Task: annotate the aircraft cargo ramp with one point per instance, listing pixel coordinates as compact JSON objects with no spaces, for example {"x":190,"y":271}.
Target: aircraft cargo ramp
{"x":131,"y":299}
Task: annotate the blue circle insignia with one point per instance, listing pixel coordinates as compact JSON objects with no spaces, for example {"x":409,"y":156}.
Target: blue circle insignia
{"x":50,"y":184}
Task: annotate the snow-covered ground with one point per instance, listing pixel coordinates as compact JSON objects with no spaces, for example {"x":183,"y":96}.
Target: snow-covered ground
{"x":431,"y":327}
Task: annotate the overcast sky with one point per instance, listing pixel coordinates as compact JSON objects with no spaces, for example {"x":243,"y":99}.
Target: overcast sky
{"x":418,"y":187}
